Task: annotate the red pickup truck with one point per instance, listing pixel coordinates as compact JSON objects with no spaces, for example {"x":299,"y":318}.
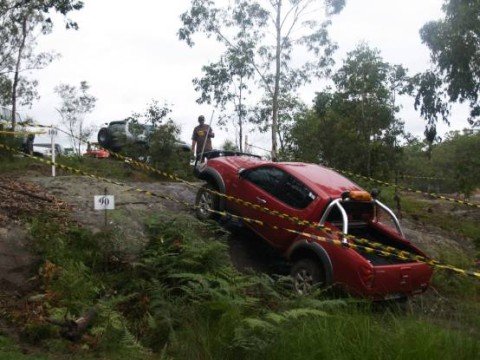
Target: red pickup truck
{"x":321,"y":196}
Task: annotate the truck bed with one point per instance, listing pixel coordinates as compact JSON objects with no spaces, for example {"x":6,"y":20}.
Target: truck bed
{"x":370,"y":232}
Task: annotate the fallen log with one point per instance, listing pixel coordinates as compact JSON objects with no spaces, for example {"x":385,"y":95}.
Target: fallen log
{"x":73,"y":330}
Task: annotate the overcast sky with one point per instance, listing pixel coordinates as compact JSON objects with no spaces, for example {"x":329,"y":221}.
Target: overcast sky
{"x":130,"y":54}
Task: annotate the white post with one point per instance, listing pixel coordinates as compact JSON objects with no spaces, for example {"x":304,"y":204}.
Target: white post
{"x":52,"y":136}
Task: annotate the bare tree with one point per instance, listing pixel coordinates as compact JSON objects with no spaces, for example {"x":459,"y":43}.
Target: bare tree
{"x":76,"y":104}
{"x":21,"y":23}
{"x":275,"y":31}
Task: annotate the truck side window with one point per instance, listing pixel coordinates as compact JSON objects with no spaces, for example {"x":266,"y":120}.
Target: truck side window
{"x":295,"y":193}
{"x":283,"y":186}
{"x":266,"y":178}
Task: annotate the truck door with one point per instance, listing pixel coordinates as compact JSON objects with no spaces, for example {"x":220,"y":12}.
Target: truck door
{"x":273,"y":188}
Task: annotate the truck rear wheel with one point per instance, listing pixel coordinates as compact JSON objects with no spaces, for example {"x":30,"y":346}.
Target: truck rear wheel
{"x":306,"y":273}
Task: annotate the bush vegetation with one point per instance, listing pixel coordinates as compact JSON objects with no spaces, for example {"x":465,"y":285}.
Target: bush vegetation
{"x":181,"y":298}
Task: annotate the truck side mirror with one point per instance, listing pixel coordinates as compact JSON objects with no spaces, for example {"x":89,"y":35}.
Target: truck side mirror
{"x":241,"y":173}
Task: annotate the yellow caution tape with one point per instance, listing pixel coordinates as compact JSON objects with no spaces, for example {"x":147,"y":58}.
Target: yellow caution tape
{"x":402,"y":255}
{"x":422,"y":177}
{"x":403,"y":188}
{"x":176,"y":178}
{"x":293,"y":219}
{"x":22,"y":133}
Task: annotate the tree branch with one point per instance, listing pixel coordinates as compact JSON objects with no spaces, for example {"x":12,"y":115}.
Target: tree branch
{"x":252,"y":61}
{"x":297,"y":16}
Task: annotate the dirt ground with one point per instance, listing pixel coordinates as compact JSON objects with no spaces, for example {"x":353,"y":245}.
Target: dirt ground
{"x":132,"y":208}
{"x":18,"y":200}
{"x":15,"y":259}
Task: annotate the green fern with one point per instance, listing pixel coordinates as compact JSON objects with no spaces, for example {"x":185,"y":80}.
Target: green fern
{"x":258,"y":324}
{"x":296,"y":314}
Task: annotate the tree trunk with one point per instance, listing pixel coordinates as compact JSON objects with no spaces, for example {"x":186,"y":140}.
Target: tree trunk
{"x":280,"y":139}
{"x":276,"y":91}
{"x":17,"y":71}
{"x":366,"y":131}
{"x":240,"y":119}
{"x":80,"y":137}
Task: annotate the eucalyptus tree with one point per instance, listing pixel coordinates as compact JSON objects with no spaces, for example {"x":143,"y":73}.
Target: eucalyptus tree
{"x":76,"y":103}
{"x":290,"y":107}
{"x":21,"y":23}
{"x":228,"y":82}
{"x":279,"y":34}
{"x":355,"y":124}
{"x":454,"y":43}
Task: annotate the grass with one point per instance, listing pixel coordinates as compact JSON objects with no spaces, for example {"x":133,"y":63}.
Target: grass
{"x":108,"y":168}
{"x":363,"y":336}
{"x":17,"y":164}
{"x":181,"y":298}
{"x":443,"y":219}
{"x":440,"y":216}
{"x":10,"y":351}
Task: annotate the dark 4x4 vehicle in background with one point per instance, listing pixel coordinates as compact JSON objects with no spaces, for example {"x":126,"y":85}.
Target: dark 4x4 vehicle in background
{"x":318,"y":195}
{"x":118,"y":134}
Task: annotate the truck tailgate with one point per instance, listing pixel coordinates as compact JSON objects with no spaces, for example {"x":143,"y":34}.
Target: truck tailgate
{"x":399,"y":279}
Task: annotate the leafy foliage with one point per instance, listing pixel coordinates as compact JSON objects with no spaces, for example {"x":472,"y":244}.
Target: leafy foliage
{"x":264,"y":36}
{"x":455,"y":162}
{"x":182,"y":298}
{"x":290,"y":107}
{"x":76,"y":104}
{"x":21,"y":22}
{"x":227,"y":82}
{"x":355,"y":126}
{"x":11,"y":141}
{"x":182,"y":286}
{"x":454,"y":47}
{"x":161,"y":145}
{"x":154,"y":115}
{"x":228,"y":145}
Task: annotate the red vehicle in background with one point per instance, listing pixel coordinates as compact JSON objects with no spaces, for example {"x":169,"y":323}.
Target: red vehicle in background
{"x":322,"y":196}
{"x":94,"y":150}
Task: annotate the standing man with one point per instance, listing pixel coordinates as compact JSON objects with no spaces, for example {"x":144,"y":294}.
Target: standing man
{"x":201,"y":137}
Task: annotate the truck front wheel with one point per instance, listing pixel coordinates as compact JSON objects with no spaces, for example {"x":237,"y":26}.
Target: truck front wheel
{"x":206,"y":203}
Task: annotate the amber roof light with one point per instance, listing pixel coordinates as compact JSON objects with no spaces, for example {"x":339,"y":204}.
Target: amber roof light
{"x":359,"y":195}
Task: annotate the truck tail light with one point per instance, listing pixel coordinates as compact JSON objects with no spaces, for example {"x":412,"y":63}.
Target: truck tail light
{"x":367,"y":276}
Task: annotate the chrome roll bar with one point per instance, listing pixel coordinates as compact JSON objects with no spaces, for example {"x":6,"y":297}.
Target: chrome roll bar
{"x":344,"y":216}
{"x":337,"y":203}
{"x":392,"y":215}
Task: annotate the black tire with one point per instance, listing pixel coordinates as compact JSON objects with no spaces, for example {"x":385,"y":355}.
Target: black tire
{"x":206,"y":201}
{"x":104,"y":138}
{"x":306,"y":273}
